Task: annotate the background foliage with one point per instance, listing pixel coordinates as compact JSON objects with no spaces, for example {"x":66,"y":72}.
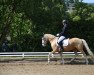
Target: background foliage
{"x":25,"y":21}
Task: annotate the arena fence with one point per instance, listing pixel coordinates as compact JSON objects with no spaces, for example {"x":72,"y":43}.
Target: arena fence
{"x":33,"y":54}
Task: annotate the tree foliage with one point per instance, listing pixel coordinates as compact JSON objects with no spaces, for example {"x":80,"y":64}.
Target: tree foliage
{"x":25,"y":21}
{"x":83,"y":19}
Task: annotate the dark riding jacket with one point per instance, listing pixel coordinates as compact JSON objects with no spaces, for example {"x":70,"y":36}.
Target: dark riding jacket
{"x":64,"y":31}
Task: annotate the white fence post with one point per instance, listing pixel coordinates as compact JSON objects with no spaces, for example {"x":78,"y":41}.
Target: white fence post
{"x":23,"y":55}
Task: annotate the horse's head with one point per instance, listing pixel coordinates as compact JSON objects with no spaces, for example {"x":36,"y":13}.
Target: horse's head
{"x":44,"y":41}
{"x":46,"y":38}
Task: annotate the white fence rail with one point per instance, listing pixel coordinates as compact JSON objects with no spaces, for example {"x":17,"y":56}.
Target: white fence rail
{"x":24,"y":54}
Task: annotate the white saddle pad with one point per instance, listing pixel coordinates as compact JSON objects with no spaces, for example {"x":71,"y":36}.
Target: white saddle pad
{"x":65,"y":42}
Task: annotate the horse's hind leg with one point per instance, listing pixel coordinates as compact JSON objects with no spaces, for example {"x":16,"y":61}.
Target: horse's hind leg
{"x":80,"y":48}
{"x":76,"y":54}
{"x":85,"y":57}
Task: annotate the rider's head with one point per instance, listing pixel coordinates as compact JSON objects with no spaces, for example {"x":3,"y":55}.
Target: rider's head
{"x":64,"y":22}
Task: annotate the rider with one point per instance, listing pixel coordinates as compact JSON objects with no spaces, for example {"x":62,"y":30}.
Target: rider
{"x":63,"y":34}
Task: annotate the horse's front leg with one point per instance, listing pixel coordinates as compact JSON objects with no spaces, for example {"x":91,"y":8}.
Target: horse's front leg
{"x":62,"y":59}
{"x":49,"y":55}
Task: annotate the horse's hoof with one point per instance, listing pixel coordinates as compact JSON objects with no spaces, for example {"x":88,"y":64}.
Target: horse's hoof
{"x":48,"y":62}
{"x":87,"y":63}
{"x":62,"y":63}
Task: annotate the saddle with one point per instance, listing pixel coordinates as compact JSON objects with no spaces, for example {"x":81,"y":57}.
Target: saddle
{"x":65,"y":42}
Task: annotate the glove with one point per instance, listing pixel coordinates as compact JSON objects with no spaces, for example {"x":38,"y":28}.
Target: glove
{"x":57,"y":35}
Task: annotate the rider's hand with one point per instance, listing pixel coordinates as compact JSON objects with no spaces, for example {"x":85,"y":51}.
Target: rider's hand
{"x":57,"y":35}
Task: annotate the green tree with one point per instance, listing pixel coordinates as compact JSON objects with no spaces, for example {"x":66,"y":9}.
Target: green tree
{"x":28,"y":19}
{"x":82,"y":20}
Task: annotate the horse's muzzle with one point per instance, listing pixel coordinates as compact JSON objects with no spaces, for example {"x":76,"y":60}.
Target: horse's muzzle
{"x":43,"y":45}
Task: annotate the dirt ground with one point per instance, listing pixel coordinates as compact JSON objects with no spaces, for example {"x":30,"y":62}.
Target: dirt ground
{"x":43,"y":68}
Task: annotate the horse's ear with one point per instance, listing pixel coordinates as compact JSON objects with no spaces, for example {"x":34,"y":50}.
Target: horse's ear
{"x":43,"y":33}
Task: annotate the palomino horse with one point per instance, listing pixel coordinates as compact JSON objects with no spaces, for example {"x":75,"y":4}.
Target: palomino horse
{"x":75,"y":44}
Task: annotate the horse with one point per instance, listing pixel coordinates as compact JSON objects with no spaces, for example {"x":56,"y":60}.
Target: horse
{"x":74,"y":44}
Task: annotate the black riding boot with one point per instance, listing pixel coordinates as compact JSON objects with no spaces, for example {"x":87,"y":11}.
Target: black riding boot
{"x":60,"y":45}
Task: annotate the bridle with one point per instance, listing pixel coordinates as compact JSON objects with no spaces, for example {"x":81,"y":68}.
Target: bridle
{"x":43,"y":41}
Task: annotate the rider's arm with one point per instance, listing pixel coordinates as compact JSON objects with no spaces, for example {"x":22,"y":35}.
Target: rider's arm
{"x":63,"y":30}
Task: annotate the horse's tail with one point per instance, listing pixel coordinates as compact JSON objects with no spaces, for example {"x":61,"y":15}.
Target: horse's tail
{"x":88,"y":49}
